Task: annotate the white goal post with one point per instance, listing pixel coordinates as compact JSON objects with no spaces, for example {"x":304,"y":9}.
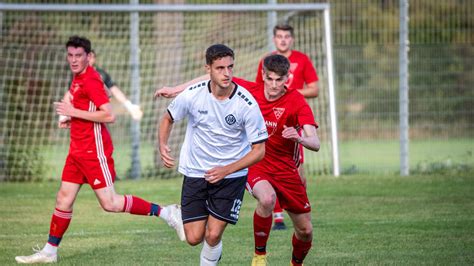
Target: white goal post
{"x":138,"y":76}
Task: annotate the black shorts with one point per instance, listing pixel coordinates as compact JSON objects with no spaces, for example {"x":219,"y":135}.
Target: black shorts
{"x":222,"y":200}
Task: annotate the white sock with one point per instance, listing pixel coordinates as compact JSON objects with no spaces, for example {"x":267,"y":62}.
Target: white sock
{"x":164,"y":213}
{"x":210,"y":255}
{"x":50,"y":249}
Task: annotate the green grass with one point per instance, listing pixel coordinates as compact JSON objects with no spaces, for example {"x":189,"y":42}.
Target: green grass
{"x":383,"y":156}
{"x":374,"y":156}
{"x":366,"y":220}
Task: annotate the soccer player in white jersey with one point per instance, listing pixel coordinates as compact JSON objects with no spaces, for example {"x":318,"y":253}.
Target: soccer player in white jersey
{"x":285,"y":111}
{"x":225,"y":135}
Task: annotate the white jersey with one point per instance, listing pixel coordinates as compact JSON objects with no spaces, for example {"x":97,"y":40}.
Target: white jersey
{"x":219,"y":132}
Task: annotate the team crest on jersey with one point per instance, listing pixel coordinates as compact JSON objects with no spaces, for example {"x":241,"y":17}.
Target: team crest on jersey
{"x":74,"y":87}
{"x":230,"y":119}
{"x":278,"y":112}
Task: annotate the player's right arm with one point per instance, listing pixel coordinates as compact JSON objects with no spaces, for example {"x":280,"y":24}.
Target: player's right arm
{"x":171,"y":92}
{"x":164,"y":132}
{"x":65,"y":121}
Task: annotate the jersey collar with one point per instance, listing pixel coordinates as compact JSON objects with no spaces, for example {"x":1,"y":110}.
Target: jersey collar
{"x":230,"y":96}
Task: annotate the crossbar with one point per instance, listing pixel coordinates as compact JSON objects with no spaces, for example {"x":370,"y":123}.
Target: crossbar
{"x":162,"y":7}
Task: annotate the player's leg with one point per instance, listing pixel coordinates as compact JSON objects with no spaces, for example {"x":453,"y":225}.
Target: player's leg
{"x":212,"y":246}
{"x":113,"y":202}
{"x":194,"y":210}
{"x":303,"y":236}
{"x":224,"y":202}
{"x":100,"y":175}
{"x":72,"y":179}
{"x":262,"y":219}
{"x":278,"y":217}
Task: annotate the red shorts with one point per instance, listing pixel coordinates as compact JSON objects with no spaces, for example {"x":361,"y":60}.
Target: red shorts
{"x":289,"y":189}
{"x":97,"y":173}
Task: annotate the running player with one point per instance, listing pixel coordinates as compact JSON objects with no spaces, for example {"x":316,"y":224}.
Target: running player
{"x":302,"y":77}
{"x":90,"y":155}
{"x":225,"y":134}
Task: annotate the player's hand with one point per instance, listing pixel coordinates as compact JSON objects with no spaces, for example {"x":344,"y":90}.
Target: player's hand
{"x":64,"y":108}
{"x":135,"y":112}
{"x":216,"y":174}
{"x":65,"y":124}
{"x":166,"y":158}
{"x":290,"y":133}
{"x":167,"y":92}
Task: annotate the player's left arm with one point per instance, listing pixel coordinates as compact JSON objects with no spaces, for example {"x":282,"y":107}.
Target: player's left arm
{"x":310,"y":90}
{"x":133,"y":109}
{"x":255,"y":155}
{"x":310,"y":76}
{"x":309,"y":140}
{"x":103,"y":115}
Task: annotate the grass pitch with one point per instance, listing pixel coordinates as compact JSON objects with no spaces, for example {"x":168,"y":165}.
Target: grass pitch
{"x":366,"y":220}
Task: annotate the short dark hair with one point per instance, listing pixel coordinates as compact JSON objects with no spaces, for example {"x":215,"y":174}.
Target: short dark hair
{"x":78,"y":41}
{"x":284,"y":27}
{"x":217,"y":51}
{"x":276,"y":63}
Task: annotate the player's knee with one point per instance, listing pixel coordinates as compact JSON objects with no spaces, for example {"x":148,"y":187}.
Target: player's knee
{"x":268,"y":201}
{"x":213,"y":238}
{"x":63,"y":201}
{"x":305,"y":232}
{"x":193,"y":241}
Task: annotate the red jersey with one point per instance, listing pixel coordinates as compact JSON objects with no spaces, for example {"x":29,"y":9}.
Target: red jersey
{"x":89,"y":139}
{"x":291,"y":110}
{"x":301,"y":71}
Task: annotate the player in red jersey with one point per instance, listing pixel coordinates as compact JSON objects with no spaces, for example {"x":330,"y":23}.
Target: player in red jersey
{"x":90,"y":155}
{"x":302,"y":77}
{"x":285,"y":113}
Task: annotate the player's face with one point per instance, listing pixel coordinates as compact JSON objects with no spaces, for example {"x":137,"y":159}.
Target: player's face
{"x":78,"y":59}
{"x":221,"y":71}
{"x":274,"y":85}
{"x":283,"y":41}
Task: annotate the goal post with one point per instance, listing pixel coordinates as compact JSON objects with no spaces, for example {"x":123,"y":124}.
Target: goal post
{"x":171,"y":41}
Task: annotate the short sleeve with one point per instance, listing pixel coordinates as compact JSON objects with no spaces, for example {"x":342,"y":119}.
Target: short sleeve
{"x":255,"y":127}
{"x":304,"y":113}
{"x":95,"y":91}
{"x":309,"y":73}
{"x":178,"y":108}
{"x":109,"y":83}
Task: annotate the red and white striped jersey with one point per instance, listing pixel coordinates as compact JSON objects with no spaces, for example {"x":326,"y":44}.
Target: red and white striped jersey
{"x":89,"y":139}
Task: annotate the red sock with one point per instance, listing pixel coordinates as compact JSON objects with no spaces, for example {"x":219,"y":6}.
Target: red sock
{"x":138,"y":206}
{"x":278,"y":212}
{"x":300,"y":250}
{"x":59,"y":224}
{"x":261,"y":232}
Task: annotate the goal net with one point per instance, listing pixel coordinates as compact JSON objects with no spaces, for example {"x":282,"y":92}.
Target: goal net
{"x":34,"y":73}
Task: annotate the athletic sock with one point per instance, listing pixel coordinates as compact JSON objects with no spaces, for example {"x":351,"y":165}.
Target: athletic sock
{"x":278,"y":212}
{"x":59,"y":224}
{"x":210,"y":256}
{"x":138,"y":206}
{"x":261,"y":232}
{"x":300,"y":250}
{"x":50,"y":249}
